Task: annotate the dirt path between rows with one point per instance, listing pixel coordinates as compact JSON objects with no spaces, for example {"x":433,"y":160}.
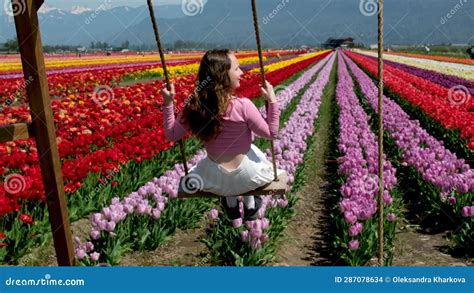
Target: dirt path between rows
{"x":414,"y":247}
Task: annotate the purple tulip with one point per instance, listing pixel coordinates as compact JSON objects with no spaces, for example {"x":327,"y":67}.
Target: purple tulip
{"x":141,"y":208}
{"x":350,"y":217}
{"x":95,"y":234}
{"x":110,"y":227}
{"x":282,"y":203}
{"x":102,"y":225}
{"x":89,"y":246}
{"x":244,"y":235}
{"x":128,"y":208}
{"x":355,"y":229}
{"x":95,"y":256}
{"x":156,"y":214}
{"x":354,"y":244}
{"x":213,"y":214}
{"x":81,"y":253}
{"x":391,"y":217}
{"x":255,"y":243}
{"x":466,"y":212}
{"x":256,"y":233}
{"x":237,"y":223}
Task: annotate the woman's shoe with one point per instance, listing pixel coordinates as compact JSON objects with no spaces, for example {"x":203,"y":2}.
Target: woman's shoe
{"x":252,"y":214}
{"x":234,"y":212}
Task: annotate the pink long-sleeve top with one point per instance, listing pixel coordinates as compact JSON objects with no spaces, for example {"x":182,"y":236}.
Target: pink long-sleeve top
{"x":241,"y":119}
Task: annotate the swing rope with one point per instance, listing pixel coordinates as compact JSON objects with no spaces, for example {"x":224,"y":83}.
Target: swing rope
{"x":380,"y":140}
{"x":262,"y":70}
{"x":165,"y":71}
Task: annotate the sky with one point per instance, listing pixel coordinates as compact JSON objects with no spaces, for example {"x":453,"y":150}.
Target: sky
{"x":67,"y":5}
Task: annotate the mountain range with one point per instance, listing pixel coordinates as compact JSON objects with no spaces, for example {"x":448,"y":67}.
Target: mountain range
{"x":283,"y":23}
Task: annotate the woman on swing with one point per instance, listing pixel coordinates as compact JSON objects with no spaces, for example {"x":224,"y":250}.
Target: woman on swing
{"x":224,"y":123}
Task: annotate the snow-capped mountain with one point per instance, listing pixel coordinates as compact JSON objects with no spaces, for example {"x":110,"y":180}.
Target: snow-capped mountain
{"x":80,"y":9}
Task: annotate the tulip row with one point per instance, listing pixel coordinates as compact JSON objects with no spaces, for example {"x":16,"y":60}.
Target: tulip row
{"x":449,"y":108}
{"x":131,"y":211}
{"x":180,"y":70}
{"x":358,"y":167}
{"x":458,"y":70}
{"x":58,"y":62}
{"x":285,"y":63}
{"x":447,"y":81}
{"x":435,"y":57}
{"x":444,"y":183}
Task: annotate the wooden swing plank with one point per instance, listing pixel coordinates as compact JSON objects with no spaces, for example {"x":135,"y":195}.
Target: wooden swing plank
{"x":16,"y":131}
{"x":32,"y":59}
{"x":274,"y":188}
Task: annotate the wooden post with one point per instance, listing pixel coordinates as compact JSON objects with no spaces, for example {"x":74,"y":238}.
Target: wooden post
{"x":29,"y":40}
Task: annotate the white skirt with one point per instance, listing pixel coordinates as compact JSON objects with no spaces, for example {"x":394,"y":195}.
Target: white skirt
{"x":253,"y":172}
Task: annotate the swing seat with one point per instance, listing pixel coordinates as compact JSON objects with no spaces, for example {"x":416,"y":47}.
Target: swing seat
{"x":277,"y":187}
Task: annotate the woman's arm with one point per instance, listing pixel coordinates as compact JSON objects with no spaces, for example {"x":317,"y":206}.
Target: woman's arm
{"x":266,"y":129}
{"x":174,"y":129}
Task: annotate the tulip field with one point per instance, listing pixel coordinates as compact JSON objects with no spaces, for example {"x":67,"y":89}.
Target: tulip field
{"x":121,"y":175}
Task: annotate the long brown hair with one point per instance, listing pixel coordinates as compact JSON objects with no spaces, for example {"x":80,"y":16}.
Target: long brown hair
{"x":210,"y":99}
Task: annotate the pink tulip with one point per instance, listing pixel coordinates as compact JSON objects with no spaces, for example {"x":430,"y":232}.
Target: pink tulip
{"x":213,"y":214}
{"x":95,"y":256}
{"x":354,"y":244}
{"x":237,"y":222}
{"x":244,"y":235}
{"x":89,"y":246}
{"x":81,"y":253}
{"x":355,"y":229}
{"x":282,"y":203}
{"x":350,"y":217}
{"x":110,"y":227}
{"x":265,"y":223}
{"x":156,"y":214}
{"x":95,"y":234}
{"x":391,"y":217}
